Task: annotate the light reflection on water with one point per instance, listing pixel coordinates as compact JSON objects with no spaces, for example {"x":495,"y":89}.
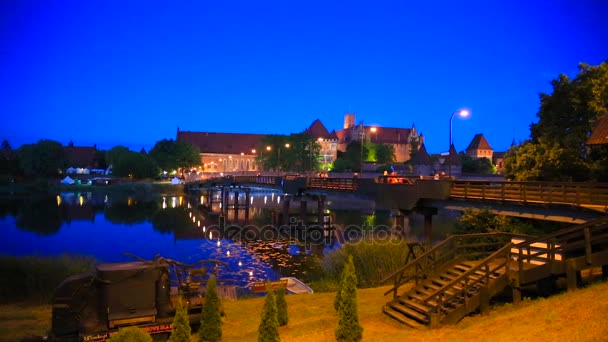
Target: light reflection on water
{"x":105,"y":227}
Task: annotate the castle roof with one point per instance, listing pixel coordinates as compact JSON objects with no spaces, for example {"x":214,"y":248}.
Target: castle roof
{"x":318,"y":130}
{"x":479,"y":142}
{"x":422,"y":157}
{"x":227,"y":143}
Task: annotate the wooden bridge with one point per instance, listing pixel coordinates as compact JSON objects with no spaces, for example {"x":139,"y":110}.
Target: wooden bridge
{"x":406,"y":193}
{"x":461,"y":274}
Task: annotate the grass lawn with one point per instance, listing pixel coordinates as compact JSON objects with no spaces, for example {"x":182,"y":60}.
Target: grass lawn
{"x":580,"y":315}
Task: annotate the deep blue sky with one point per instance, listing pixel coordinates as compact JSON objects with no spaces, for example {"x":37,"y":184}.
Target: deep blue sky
{"x":118,"y":72}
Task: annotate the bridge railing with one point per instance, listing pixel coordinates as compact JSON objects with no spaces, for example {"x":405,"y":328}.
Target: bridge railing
{"x":268,"y":180}
{"x":343,"y":184}
{"x":592,"y":195}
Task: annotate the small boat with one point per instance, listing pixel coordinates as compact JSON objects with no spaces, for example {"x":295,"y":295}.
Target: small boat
{"x":296,"y":286}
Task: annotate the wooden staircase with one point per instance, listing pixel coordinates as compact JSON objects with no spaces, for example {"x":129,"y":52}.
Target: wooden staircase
{"x":462,"y":273}
{"x":453,"y":290}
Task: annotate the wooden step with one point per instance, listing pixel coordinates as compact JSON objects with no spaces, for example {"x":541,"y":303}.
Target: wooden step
{"x":421,"y":307}
{"x":409,"y":312}
{"x":401,"y":318}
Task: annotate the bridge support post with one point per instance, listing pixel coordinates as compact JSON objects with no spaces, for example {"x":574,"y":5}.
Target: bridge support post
{"x":286,"y":203}
{"x":428,"y":213}
{"x":516,"y":290}
{"x":236,"y":206}
{"x":303,"y":210}
{"x":605,"y":272}
{"x":400,"y":223}
{"x":321,"y":209}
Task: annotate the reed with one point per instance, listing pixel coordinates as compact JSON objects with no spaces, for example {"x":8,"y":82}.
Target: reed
{"x":374,"y":259}
{"x":34,"y":278}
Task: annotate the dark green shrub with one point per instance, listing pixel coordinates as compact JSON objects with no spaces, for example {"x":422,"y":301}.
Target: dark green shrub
{"x":348,"y":328}
{"x":131,"y":334}
{"x":282,"y":316}
{"x":181,"y":324}
{"x":211,"y":320}
{"x":269,"y":326}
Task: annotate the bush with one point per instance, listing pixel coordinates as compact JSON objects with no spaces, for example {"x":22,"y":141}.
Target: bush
{"x":348,"y":328}
{"x":181,"y":324}
{"x":269,"y":326}
{"x":282,"y":316}
{"x":211,"y":320}
{"x":131,"y":334}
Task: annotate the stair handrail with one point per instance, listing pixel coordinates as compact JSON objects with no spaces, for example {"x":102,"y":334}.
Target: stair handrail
{"x":400,"y":277}
{"x":582,"y":232}
{"x":504,"y":251}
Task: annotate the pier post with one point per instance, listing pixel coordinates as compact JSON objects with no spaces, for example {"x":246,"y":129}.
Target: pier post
{"x":286,"y":203}
{"x":428,"y":224}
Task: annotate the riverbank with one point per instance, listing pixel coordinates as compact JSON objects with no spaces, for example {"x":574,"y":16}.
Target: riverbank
{"x":122,"y":187}
{"x":573,"y":316}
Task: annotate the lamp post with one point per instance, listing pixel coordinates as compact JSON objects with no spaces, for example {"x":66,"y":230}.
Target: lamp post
{"x":463,"y":113}
{"x":268,"y":148}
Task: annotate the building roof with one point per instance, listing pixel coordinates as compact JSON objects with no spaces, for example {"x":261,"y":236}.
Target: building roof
{"x":383,"y":135}
{"x":388,"y":135}
{"x":226,"y":143}
{"x":80,"y":156}
{"x":422,"y":157}
{"x":479,"y":143}
{"x":599,"y":135}
{"x":318,"y":130}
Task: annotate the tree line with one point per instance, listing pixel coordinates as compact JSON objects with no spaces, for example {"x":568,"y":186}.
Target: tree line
{"x":48,"y":159}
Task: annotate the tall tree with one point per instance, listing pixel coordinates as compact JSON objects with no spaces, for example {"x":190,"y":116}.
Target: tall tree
{"x":385,"y":154}
{"x":351,"y":158}
{"x":46,"y":158}
{"x":173,"y":155}
{"x":282,"y":316}
{"x":268,"y":330}
{"x":134,"y":165}
{"x":566,"y":119}
{"x":181,"y":324}
{"x":349,"y":329}
{"x":211,"y":320}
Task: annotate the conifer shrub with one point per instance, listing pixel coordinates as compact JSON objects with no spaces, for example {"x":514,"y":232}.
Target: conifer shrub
{"x":349,"y":329}
{"x":131,"y":334}
{"x":181,"y":324}
{"x":211,"y":320}
{"x":268,"y":331}
{"x":282,"y":315}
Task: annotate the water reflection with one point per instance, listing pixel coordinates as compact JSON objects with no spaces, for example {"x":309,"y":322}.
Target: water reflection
{"x":257,"y":234}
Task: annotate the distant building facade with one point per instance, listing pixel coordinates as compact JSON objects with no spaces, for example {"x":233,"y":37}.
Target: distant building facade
{"x":225,"y":152}
{"x":229,"y":152}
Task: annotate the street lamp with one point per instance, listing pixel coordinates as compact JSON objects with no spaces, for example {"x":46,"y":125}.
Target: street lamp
{"x":463,"y":113}
{"x":373,"y":130}
{"x":279,"y":155}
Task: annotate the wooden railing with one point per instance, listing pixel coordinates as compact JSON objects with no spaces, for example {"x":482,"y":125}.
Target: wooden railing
{"x":590,"y":195}
{"x":342,"y":184}
{"x":466,"y":246}
{"x":580,"y":240}
{"x":476,"y":277}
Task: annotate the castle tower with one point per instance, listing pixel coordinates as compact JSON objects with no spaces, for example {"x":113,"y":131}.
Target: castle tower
{"x":349,"y":120}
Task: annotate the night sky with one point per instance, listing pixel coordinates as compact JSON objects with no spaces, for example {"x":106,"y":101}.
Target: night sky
{"x":128,"y":72}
